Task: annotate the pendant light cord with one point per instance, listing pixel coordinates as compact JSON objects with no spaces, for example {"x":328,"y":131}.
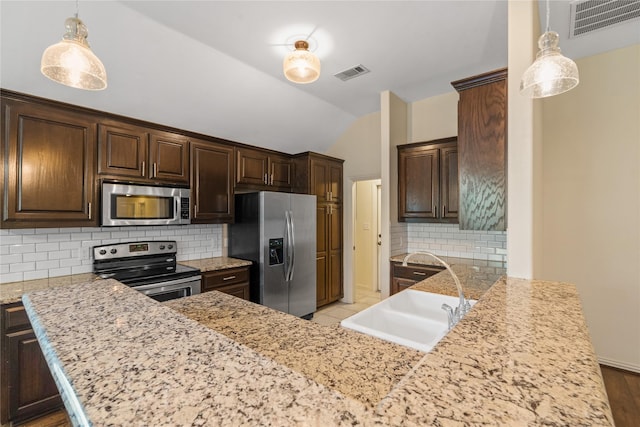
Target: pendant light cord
{"x":77,"y":8}
{"x":548,"y":9}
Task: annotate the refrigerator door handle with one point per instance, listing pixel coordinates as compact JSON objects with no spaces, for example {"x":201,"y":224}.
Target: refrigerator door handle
{"x":292,"y":248}
{"x":287,"y":246}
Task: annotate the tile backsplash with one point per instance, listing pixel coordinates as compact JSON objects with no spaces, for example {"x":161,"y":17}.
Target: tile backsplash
{"x":27,"y":254}
{"x":449,"y":240}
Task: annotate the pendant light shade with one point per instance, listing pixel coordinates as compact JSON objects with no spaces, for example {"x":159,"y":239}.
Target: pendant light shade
{"x":551,"y":73}
{"x":71,"y":61}
{"x":301,"y":66}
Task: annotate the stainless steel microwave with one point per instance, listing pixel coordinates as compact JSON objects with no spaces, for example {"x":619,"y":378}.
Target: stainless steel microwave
{"x":126,"y":204}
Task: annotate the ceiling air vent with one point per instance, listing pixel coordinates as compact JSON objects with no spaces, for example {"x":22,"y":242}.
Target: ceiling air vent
{"x":353,"y":72}
{"x":592,"y":15}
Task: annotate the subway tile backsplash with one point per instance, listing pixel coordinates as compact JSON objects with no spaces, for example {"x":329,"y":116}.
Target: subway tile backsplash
{"x":448,"y":240}
{"x":37,"y":253}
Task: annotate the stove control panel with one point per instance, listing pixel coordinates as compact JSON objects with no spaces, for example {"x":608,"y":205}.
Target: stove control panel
{"x":133,"y":249}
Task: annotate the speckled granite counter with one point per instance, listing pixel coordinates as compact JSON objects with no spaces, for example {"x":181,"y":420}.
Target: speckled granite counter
{"x":217,"y":263}
{"x":12,"y":292}
{"x":476,"y":276}
{"x":522,"y":356}
{"x":120,"y":358}
{"x":331,"y":356}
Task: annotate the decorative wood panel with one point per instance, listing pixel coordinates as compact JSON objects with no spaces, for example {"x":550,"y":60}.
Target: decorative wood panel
{"x":169,"y":157}
{"x":122,"y":151}
{"x":482,"y":134}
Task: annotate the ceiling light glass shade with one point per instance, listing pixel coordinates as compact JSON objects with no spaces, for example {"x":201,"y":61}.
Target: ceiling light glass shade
{"x":551,"y":73}
{"x":301,"y":66}
{"x":71,"y":61}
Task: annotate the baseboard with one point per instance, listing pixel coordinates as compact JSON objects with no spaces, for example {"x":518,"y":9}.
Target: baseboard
{"x":621,"y":365}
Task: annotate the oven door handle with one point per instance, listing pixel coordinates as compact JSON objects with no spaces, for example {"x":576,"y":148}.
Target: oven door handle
{"x":168,"y":285}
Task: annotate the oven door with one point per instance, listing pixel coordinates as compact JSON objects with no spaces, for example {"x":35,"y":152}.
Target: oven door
{"x":171,"y":289}
{"x":125,"y":204}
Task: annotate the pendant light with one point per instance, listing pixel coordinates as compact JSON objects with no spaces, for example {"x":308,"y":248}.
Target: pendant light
{"x":301,"y":66}
{"x":71,"y":61}
{"x":551,"y":73}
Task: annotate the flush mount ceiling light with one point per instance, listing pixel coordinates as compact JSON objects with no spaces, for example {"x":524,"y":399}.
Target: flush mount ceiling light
{"x":551,"y":73}
{"x":71,"y":61}
{"x":301,"y":66}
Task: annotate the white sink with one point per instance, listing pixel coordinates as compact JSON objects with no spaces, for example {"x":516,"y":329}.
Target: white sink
{"x":411,"y":318}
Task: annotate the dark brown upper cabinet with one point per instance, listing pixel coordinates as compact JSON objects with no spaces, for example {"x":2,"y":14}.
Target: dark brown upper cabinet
{"x":262,"y":170}
{"x":428,"y":181}
{"x":320,"y":175}
{"x":211,"y":183}
{"x":48,"y":166}
{"x":137,"y":153}
{"x":482,"y":146}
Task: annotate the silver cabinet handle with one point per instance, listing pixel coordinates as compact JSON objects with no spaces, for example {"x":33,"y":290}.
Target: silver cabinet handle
{"x":419,"y":273}
{"x":195,"y":211}
{"x":444,"y":208}
{"x":265,"y":179}
{"x":142,"y":168}
{"x":271,"y":178}
{"x":155,"y":170}
{"x":229,"y":278}
{"x":89,"y":210}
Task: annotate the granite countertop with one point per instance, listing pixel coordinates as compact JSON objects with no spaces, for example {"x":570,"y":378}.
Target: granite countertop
{"x":329,"y":355}
{"x":216,"y":263}
{"x":521,"y":356}
{"x":12,"y":292}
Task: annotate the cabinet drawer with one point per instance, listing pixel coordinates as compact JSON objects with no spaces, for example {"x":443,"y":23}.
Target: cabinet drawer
{"x":15,"y":317}
{"x":414,"y":272}
{"x":215,"y":279}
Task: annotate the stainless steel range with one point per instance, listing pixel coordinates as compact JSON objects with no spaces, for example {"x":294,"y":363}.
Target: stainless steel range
{"x":149,"y":267}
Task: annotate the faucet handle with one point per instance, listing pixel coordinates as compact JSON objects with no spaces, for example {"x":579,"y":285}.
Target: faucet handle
{"x":450,"y":315}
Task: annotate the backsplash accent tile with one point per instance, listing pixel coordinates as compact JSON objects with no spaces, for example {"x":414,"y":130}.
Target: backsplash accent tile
{"x":49,"y":252}
{"x":449,"y":240}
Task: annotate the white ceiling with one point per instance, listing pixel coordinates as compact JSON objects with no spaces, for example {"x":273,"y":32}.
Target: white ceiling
{"x":215,"y":67}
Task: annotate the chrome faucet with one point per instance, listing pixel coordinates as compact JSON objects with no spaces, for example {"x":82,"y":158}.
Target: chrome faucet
{"x":453,"y":315}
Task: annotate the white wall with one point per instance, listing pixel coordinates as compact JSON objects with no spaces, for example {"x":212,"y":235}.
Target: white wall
{"x":359,"y":146}
{"x":38,"y":253}
{"x":591,"y":199}
{"x":434,"y":118}
{"x":524,"y":164}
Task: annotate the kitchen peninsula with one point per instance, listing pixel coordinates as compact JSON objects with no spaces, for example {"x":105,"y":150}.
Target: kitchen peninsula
{"x":521,"y":356}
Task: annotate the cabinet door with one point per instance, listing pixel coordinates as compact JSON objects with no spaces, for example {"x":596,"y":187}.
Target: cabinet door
{"x":32,"y":390}
{"x":322,"y":256}
{"x":280,"y":172}
{"x":319,"y":177}
{"x":449,"y":197}
{"x":482,"y":126}
{"x":335,"y":183}
{"x":418,"y":183}
{"x":168,"y":158}
{"x":50,"y":157}
{"x":252,"y":167}
{"x":336,"y":290}
{"x":211,"y":183}
{"x":122,"y":151}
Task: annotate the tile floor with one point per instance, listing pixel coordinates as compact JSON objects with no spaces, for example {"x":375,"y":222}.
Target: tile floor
{"x":332,"y":314}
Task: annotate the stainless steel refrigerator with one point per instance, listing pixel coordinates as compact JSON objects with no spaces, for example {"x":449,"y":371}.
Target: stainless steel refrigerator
{"x":277,"y":231}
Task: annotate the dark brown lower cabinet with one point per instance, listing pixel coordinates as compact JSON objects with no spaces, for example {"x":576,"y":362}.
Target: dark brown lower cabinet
{"x":404,"y":277}
{"x":27,"y":389}
{"x":232,"y":281}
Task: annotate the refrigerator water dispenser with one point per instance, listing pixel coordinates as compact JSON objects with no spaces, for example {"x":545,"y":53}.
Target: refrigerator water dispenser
{"x":275,"y":251}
